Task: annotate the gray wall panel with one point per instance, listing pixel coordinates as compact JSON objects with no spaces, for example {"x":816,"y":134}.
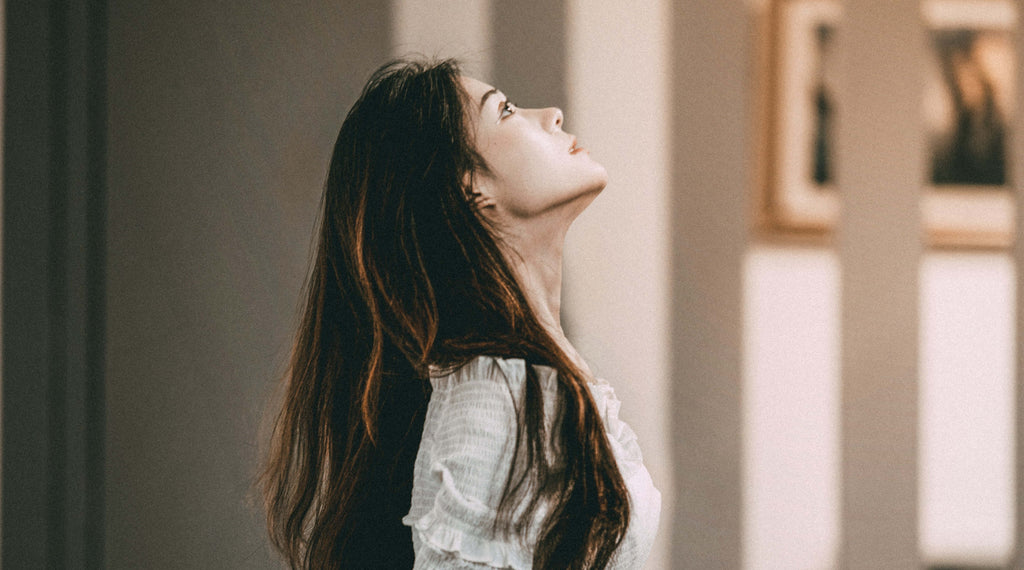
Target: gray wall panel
{"x":881,"y":50}
{"x":529,"y":47}
{"x":711,"y":178}
{"x":222,"y":119}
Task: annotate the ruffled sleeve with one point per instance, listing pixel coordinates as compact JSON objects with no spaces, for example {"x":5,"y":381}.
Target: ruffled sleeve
{"x":461,"y":469}
{"x":621,"y":437}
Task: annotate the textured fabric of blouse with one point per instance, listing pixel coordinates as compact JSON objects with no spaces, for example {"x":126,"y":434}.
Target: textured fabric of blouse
{"x":464,"y":458}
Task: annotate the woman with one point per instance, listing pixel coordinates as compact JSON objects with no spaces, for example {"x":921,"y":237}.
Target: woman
{"x":432,"y":392}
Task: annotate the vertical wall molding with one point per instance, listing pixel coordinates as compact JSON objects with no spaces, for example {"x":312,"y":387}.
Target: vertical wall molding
{"x":881,"y":48}
{"x":709,"y":204}
{"x":1017,"y":180}
{"x":54,"y":284}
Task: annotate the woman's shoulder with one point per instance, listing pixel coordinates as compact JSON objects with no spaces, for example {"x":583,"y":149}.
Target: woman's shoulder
{"x":488,"y":373}
{"x":486,"y":395}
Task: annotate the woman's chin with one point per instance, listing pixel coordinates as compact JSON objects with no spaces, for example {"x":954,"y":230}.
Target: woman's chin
{"x":587,"y":197}
{"x":600,"y":178}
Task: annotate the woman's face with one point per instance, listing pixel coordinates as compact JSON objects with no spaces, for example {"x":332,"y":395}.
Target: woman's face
{"x":536,"y":168}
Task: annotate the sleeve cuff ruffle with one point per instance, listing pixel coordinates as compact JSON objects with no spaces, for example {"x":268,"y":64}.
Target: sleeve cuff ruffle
{"x":461,"y":527}
{"x":620,"y":435}
{"x":440,"y":536}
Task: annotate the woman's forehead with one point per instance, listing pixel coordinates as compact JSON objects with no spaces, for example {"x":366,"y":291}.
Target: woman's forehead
{"x":474,"y":87}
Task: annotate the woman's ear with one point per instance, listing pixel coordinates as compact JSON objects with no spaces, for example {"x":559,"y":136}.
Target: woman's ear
{"x":477,"y":192}
{"x":481,"y":199}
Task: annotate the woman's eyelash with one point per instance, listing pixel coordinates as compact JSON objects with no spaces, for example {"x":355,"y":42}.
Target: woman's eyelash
{"x":507,"y":108}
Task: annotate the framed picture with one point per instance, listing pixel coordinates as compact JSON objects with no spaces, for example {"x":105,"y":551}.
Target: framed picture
{"x":967,"y":107}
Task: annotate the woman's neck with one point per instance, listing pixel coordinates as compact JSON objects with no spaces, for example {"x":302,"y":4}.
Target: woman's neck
{"x":539,"y":274}
{"x":537,"y":264}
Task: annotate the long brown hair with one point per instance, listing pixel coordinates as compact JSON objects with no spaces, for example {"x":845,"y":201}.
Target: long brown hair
{"x":407,"y":274}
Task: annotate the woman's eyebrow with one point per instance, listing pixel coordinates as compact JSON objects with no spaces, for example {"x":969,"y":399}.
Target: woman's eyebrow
{"x":486,"y":95}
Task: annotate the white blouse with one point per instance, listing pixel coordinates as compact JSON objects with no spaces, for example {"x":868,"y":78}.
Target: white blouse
{"x":464,"y":458}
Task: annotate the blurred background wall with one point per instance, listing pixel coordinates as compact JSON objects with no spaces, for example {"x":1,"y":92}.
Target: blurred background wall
{"x":222,"y":119}
{"x":842,"y":404}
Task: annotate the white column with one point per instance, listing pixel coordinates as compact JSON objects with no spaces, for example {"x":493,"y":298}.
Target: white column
{"x":880,"y":165}
{"x":617,"y":289}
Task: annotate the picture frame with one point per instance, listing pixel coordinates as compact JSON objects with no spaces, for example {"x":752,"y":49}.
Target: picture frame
{"x":966,"y":113}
